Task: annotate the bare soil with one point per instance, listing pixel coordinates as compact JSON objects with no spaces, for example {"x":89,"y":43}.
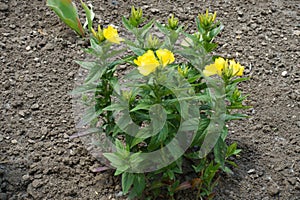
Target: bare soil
{"x":37,"y":159}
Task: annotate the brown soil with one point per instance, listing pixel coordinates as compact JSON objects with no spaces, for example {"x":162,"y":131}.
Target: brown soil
{"x":37,"y":159}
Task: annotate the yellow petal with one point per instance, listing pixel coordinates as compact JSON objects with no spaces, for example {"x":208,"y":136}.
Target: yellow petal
{"x":237,"y":69}
{"x":147,"y":63}
{"x":210,"y":70}
{"x":165,"y":56}
{"x":111,"y":34}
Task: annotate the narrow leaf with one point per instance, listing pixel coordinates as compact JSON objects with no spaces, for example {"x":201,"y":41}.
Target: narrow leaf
{"x":67,"y":12}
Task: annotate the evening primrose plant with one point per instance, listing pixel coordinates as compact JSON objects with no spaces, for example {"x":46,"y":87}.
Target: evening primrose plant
{"x":167,"y":115}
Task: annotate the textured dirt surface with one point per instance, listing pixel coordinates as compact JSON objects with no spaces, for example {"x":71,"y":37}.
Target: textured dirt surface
{"x":37,"y":159}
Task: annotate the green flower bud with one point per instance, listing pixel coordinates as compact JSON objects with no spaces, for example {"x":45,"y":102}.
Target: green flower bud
{"x":172,"y":23}
{"x":136,"y":16}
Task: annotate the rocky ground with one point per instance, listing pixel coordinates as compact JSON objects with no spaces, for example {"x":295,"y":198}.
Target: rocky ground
{"x":37,"y":159}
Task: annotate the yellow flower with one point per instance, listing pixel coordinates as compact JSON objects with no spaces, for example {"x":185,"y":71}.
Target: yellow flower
{"x":111,"y":34}
{"x":224,"y":68}
{"x":237,"y":69}
{"x":147,"y":63}
{"x":165,"y":56}
{"x":215,"y":68}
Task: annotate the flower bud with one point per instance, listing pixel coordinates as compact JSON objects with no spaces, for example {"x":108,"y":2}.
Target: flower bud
{"x":183,"y":70}
{"x":153,"y":42}
{"x":207,"y":20}
{"x":98,"y":35}
{"x":172,"y":23}
{"x":136,"y":16}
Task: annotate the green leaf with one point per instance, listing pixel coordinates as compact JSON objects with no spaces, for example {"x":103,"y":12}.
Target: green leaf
{"x":89,"y":16}
{"x":67,"y":12}
{"x":213,"y":33}
{"x":127,"y":181}
{"x":231,"y":163}
{"x":127,"y":24}
{"x":235,"y":116}
{"x":84,"y":88}
{"x":90,"y":115}
{"x":139,"y":184}
{"x":197,"y":140}
{"x":238,"y":80}
{"x":220,"y":150}
{"x":232,"y":150}
{"x":199,"y":27}
{"x":141,"y":106}
{"x":116,"y":161}
{"x":134,"y":48}
{"x":87,"y":65}
{"x":145,"y":29}
{"x":95,"y":73}
{"x":86,"y":132}
{"x":114,"y":107}
{"x":162,"y":28}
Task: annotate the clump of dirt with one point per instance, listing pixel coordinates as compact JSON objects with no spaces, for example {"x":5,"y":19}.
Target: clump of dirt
{"x":37,"y":159}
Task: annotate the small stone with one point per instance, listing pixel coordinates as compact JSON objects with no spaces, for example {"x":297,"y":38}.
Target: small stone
{"x":12,"y":26}
{"x":251,"y":171}
{"x":44,"y":130}
{"x":154,"y":10}
{"x":48,"y":46}
{"x":31,"y":141}
{"x":3,"y":7}
{"x":292,"y":180}
{"x":296,"y":32}
{"x":298,"y":124}
{"x":30,"y":95}
{"x":117,"y":187}
{"x":28,"y":48}
{"x":21,"y":113}
{"x":240,"y":13}
{"x":26,"y":177}
{"x":35,"y":106}
{"x":119,"y":194}
{"x":14,"y":141}
{"x":37,"y":183}
{"x":284,"y":73}
{"x":273,"y":190}
{"x":1,"y":138}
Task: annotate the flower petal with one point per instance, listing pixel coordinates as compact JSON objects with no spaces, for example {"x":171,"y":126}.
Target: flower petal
{"x":165,"y":56}
{"x":146,"y":63}
{"x":210,"y":70}
{"x":111,"y":34}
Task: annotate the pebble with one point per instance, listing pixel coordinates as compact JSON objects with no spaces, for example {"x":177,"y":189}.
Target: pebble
{"x":296,"y":32}
{"x":240,"y":13}
{"x":251,"y":171}
{"x":30,"y":95}
{"x":154,"y":10}
{"x":14,"y":141}
{"x":48,"y":46}
{"x":3,"y":7}
{"x":28,"y":48}
{"x":1,"y":138}
{"x":298,"y":124}
{"x":273,"y":190}
{"x":26,"y":177}
{"x":21,"y":113}
{"x":284,"y":73}
{"x":35,"y":106}
{"x":37,"y":183}
{"x":44,"y":130}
